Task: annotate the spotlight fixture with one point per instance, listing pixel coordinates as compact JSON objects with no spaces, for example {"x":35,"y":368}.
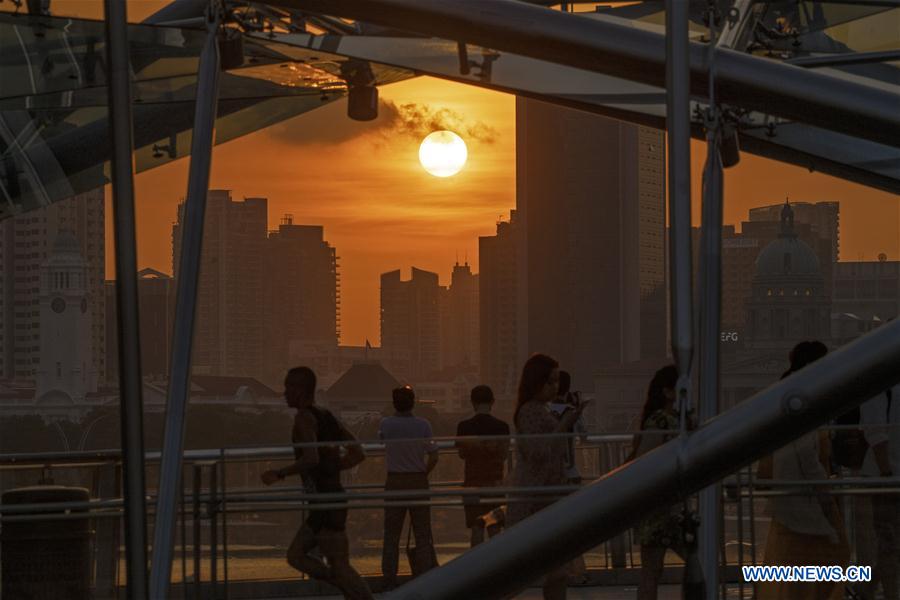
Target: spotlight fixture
{"x":362,"y":95}
{"x":730,"y":148}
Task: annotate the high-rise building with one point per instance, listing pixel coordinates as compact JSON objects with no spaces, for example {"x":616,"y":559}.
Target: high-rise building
{"x":156,"y":304}
{"x":497,"y":298}
{"x":26,"y":242}
{"x":410,"y":324}
{"x":302,"y":291}
{"x":590,"y":194}
{"x":460,"y":334}
{"x":230,"y":319}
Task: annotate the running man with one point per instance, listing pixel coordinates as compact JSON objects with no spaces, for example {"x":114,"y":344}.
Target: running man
{"x":320,"y":469}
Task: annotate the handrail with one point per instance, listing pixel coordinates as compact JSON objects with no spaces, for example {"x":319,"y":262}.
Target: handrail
{"x":268,"y":451}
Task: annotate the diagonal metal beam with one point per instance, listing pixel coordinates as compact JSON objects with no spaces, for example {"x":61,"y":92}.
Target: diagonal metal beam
{"x":767,"y":421}
{"x":637,"y":55}
{"x":170,"y":483}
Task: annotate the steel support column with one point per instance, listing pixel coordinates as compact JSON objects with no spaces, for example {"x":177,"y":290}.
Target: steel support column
{"x":185,"y":310}
{"x":710,"y":318}
{"x":710,"y":295}
{"x":772,"y":418}
{"x":678,"y":136}
{"x":130,"y":384}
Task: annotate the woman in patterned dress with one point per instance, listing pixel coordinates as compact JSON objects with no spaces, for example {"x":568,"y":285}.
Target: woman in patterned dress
{"x":540,"y":461}
{"x":661,"y":530}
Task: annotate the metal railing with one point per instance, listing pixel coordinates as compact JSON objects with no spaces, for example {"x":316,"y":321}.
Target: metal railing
{"x":218,"y":555}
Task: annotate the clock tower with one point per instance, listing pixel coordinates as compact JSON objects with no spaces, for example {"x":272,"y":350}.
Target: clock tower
{"x":66,"y":370}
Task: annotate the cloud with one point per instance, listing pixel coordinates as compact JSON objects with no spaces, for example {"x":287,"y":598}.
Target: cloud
{"x":407,"y":121}
{"x":418,"y":120}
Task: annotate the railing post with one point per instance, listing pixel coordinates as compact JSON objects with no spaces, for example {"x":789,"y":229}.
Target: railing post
{"x":212,"y":510}
{"x":197,"y":532}
{"x":107,"y":538}
{"x":223,"y":506}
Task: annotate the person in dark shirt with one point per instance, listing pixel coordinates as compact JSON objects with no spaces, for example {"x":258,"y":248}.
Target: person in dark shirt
{"x":320,"y":469}
{"x":483,"y":459}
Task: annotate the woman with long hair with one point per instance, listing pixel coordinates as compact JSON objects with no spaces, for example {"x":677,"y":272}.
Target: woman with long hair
{"x":540,"y":461}
{"x":662,"y":530}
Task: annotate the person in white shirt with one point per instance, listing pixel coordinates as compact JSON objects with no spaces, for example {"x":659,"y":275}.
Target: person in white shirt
{"x":806,"y":526}
{"x":878,"y":517}
{"x":407,"y":469}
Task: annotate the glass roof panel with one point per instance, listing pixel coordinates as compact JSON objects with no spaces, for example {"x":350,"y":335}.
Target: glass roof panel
{"x":53,"y":119}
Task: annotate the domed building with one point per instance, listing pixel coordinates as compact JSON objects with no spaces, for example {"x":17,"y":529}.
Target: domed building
{"x":789,"y":302}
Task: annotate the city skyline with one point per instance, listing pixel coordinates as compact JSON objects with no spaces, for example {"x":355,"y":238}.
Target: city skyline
{"x":381,"y":208}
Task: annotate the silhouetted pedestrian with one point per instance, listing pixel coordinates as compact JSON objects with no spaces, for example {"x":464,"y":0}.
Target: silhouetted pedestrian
{"x":806,"y":528}
{"x":320,"y":468}
{"x":661,"y":531}
{"x":483,"y":459}
{"x":408,"y":466}
{"x":540,"y":461}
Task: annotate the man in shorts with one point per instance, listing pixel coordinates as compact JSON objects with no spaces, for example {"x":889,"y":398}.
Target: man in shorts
{"x":320,"y":468}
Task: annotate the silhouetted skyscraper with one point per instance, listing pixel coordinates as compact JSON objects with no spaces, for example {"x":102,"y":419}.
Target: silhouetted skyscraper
{"x":410,"y":324}
{"x":497,"y":272}
{"x":26,"y":242}
{"x":156,"y":301}
{"x":460,"y":335}
{"x":228,"y":338}
{"x":302,"y":291}
{"x":591,"y":199}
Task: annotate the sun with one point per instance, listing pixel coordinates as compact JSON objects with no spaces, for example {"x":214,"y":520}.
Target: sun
{"x":443,"y":153}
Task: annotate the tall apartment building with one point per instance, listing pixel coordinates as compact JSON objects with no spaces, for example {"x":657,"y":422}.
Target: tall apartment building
{"x":410,"y":324}
{"x":497,"y":299}
{"x":302,"y":292}
{"x":590,"y":195}
{"x":230,"y":321}
{"x":26,"y":243}
{"x":460,"y":334}
{"x":156,"y":304}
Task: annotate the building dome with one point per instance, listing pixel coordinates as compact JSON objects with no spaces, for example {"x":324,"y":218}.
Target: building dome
{"x":788,"y":255}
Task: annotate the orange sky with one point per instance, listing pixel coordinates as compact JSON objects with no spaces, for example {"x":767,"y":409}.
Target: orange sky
{"x":382,"y":211}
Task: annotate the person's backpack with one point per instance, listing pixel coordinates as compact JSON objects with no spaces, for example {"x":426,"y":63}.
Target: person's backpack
{"x":849,"y":447}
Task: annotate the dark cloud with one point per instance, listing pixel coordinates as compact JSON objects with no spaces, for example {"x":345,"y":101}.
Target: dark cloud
{"x":418,"y":120}
{"x":330,"y":125}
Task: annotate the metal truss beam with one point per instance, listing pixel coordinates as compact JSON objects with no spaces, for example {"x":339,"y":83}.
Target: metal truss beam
{"x":624,"y":51}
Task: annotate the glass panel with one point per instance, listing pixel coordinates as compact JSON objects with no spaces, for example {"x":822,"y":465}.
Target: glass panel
{"x":53,"y":127}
